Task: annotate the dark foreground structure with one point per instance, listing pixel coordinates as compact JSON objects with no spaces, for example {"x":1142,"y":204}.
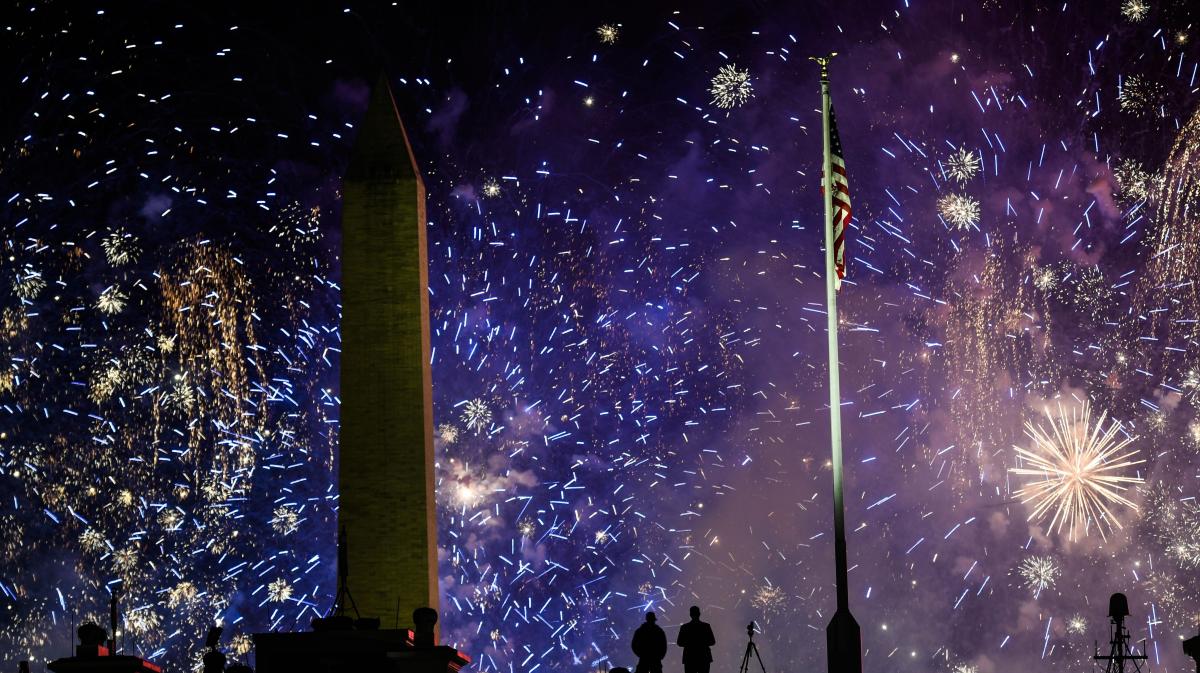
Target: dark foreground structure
{"x":93,"y":655}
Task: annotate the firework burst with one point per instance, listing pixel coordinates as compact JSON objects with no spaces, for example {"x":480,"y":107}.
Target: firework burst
{"x":476,"y":415}
{"x":960,"y":210}
{"x":111,"y":301}
{"x":1079,"y":471}
{"x":1139,"y":95}
{"x":447,"y":433}
{"x":1135,"y":10}
{"x":608,"y":33}
{"x":963,"y":165}
{"x":1039,"y":572}
{"x":279,"y":591}
{"x":120,"y":247}
{"x":731,"y":87}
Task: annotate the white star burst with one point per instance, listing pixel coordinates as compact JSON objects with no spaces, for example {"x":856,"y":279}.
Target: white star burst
{"x":1079,"y":470}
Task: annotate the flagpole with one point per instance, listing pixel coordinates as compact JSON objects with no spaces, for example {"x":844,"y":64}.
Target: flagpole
{"x":842,"y":635}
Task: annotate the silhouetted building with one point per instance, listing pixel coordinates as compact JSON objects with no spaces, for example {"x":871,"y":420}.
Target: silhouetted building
{"x":387,"y":550}
{"x":92,"y":655}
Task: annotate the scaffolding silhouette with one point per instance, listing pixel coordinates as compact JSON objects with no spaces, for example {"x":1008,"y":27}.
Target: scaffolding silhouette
{"x":1119,"y":653}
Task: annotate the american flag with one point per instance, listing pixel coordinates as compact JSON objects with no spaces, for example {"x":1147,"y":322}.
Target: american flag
{"x":841,"y":200}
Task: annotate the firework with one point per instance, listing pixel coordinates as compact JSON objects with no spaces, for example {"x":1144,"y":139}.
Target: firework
{"x":1079,"y":469}
{"x":182,"y":593}
{"x":1139,"y":95}
{"x":963,"y":165}
{"x":1173,"y":523}
{"x":491,"y":188}
{"x":279,"y":591}
{"x":960,"y":210}
{"x":769,"y":598}
{"x":1192,"y":435}
{"x":731,"y":87}
{"x":476,"y":415}
{"x":92,"y":540}
{"x":120,"y":247}
{"x":1076,"y":625}
{"x":1135,"y":10}
{"x":111,"y":301}
{"x":527,"y":528}
{"x":608,"y":33}
{"x":28,"y":284}
{"x":1134,"y":184}
{"x":1044,"y":278}
{"x":285,"y":520}
{"x":141,"y":621}
{"x":1039,"y":572}
{"x":447,"y":433}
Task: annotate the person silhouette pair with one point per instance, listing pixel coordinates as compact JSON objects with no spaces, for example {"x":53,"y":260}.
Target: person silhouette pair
{"x":695,"y":637}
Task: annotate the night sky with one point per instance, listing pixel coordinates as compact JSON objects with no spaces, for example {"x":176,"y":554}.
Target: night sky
{"x":628,"y":317}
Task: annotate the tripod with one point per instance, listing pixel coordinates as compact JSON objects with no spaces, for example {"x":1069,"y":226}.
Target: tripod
{"x":751,"y":648}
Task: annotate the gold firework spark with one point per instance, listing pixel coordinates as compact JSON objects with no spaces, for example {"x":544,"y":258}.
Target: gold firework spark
{"x":1135,"y":10}
{"x":1078,"y":467}
{"x":960,"y":210}
{"x":963,"y":165}
{"x":608,"y":33}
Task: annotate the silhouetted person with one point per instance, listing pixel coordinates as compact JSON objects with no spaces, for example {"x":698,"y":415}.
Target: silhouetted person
{"x":695,"y":637}
{"x":650,"y":646}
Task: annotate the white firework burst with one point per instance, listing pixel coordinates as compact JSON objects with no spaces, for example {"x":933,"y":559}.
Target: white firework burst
{"x":112,"y":300}
{"x":181,"y":594}
{"x":1076,"y":625}
{"x":28,"y":284}
{"x":165,"y":344}
{"x":608,"y":33}
{"x":1140,"y":96}
{"x":476,"y":415}
{"x":105,"y":382}
{"x":141,"y":620}
{"x":960,"y":210}
{"x":1044,"y":278}
{"x":92,"y":540}
{"x":527,"y":527}
{"x":279,"y":591}
{"x":120,"y":247}
{"x":963,"y":165}
{"x":769,"y":598}
{"x":1135,"y":10}
{"x":1134,"y":184}
{"x":447,"y":433}
{"x":1039,"y":572}
{"x":731,"y":87}
{"x":285,"y":520}
{"x":491,"y":188}
{"x":1079,"y":471}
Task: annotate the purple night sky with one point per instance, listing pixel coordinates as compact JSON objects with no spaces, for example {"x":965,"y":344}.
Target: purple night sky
{"x":627,"y":301}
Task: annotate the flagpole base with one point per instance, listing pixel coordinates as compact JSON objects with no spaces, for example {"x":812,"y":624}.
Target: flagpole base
{"x":844,"y":643}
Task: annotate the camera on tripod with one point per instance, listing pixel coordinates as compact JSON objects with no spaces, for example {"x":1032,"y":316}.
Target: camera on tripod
{"x":751,"y":648}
